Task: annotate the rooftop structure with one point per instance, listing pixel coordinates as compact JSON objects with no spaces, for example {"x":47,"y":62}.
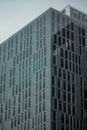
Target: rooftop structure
{"x":75,"y":13}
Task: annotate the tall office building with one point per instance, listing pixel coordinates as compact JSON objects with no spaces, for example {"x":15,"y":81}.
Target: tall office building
{"x":43,"y":74}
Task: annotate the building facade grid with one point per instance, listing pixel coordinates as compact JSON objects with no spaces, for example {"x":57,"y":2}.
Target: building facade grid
{"x":43,"y":72}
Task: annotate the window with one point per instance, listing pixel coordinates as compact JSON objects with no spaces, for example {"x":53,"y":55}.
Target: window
{"x":64,"y":85}
{"x":68,"y":34}
{"x":11,"y":123}
{"x":68,"y":26}
{"x":44,"y":127}
{"x":29,"y":103}
{"x":44,"y":106}
{"x":72,"y":46}
{"x":73,"y":110}
{"x":53,"y":80}
{"x":76,"y":59}
{"x":55,"y":104}
{"x":13,"y":91}
{"x":53,"y":25}
{"x":60,"y":105}
{"x":53,"y":92}
{"x":79,"y":60}
{"x":64,"y":41}
{"x":85,"y":93}
{"x":54,"y":59}
{"x":66,"y":64}
{"x":72,"y":36}
{"x":73,"y":99}
{"x":61,"y":52}
{"x":76,"y":68}
{"x":58,"y":18}
{"x":26,"y":105}
{"x":39,"y":107}
{"x":68,"y":44}
{"x":44,"y":116}
{"x":73,"y":68}
{"x":68,"y":76}
{"x":73,"y":78}
{"x":83,"y":18}
{"x":36,"y":98}
{"x":55,"y":39}
{"x":66,"y":54}
{"x":59,"y":72}
{"x":40,"y":97}
{"x":54,"y":48}
{"x":69,"y":97}
{"x":25,"y":115}
{"x":61,"y":63}
{"x":59,"y":41}
{"x":67,"y":128}
{"x":58,"y":94}
{"x":68,"y":85}
{"x":69,"y":55}
{"x":40,"y":75}
{"x":36,"y":109}
{"x":44,"y":94}
{"x":64,"y":74}
{"x":5,"y":117}
{"x":54,"y":126}
{"x":15,"y":121}
{"x":69,"y":66}
{"x":73,"y":57}
{"x":54,"y":115}
{"x":85,"y":104}
{"x":55,"y":70}
{"x":71,"y":121}
{"x":62,"y":118}
{"x":72,"y":26}
{"x":62,"y":127}
{"x":64,"y":107}
{"x":80,"y":40}
{"x":63,"y":32}
{"x":81,"y":125}
{"x":53,"y":16}
{"x":83,"y":41}
{"x":67,"y":119}
{"x":80,"y":50}
{"x":83,"y":32}
{"x":44,"y":41}
{"x":63,"y":19}
{"x":58,"y":83}
{"x":64,"y":96}
{"x":69,"y":109}
{"x":44,"y":72}
{"x":32,"y":123}
{"x":44,"y":83}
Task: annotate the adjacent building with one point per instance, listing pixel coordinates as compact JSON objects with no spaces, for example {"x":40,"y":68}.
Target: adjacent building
{"x":43,"y":74}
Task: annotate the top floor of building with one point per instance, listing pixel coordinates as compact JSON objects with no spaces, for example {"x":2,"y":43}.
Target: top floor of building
{"x":75,"y":13}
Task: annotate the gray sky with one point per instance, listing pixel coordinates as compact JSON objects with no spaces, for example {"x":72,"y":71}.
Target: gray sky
{"x":14,"y":14}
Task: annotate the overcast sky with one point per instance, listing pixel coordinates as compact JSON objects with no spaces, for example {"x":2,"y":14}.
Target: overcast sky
{"x":14,"y":14}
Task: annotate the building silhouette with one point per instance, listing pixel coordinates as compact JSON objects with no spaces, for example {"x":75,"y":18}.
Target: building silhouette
{"x":43,"y":74}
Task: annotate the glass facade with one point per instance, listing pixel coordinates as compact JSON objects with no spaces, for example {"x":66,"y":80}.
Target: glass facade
{"x":68,"y":73}
{"x":43,"y":75}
